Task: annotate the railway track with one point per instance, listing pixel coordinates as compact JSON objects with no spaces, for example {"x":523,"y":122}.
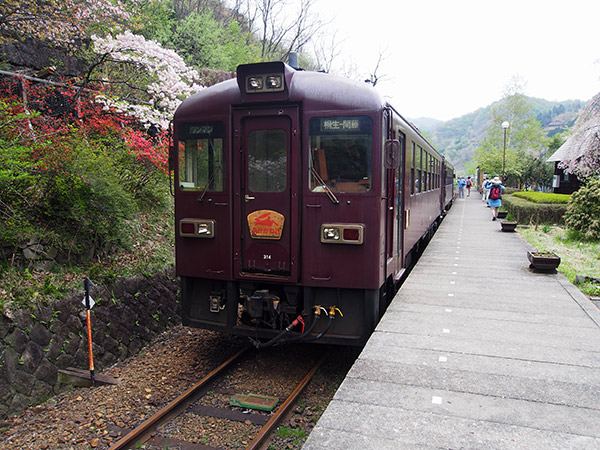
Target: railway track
{"x":148,"y":432}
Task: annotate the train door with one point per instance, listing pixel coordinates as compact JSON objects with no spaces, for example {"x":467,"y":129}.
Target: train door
{"x":395,"y":205}
{"x":266,"y":215}
{"x":389,"y":194}
{"x":399,"y":219}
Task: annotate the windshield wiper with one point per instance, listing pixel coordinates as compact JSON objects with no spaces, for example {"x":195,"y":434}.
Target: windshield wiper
{"x":205,"y":190}
{"x":320,"y":180}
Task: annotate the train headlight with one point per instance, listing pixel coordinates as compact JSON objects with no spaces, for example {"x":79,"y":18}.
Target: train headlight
{"x":255,"y":83}
{"x":263,"y":82}
{"x":259,"y":84}
{"x":274,"y":82}
{"x":205,"y":229}
{"x":332,"y":233}
{"x":198,"y":228}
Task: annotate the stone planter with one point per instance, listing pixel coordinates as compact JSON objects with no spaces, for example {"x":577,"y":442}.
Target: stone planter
{"x":508,"y":226}
{"x":502,"y":214}
{"x":547,"y":261}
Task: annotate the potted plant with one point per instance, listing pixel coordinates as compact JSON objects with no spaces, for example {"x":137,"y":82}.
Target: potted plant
{"x":543,"y":260}
{"x":510,"y":224}
{"x":502,"y":214}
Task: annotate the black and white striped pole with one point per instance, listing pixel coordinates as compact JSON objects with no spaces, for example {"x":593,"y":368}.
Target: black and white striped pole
{"x":89,"y":303}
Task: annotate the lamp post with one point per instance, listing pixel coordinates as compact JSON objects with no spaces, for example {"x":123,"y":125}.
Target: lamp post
{"x":505,"y":125}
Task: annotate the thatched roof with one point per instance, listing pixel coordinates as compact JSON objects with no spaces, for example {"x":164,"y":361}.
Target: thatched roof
{"x":585,"y":132}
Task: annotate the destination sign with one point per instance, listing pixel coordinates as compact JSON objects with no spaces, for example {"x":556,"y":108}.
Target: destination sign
{"x":201,"y":129}
{"x":336,"y":124}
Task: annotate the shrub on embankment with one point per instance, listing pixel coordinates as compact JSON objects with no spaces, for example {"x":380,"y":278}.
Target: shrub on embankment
{"x":73,"y":178}
{"x":536,"y":207}
{"x":35,"y":343}
{"x":583,"y":212}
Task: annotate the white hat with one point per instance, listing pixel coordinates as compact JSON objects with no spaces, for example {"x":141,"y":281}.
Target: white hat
{"x":496,"y":180}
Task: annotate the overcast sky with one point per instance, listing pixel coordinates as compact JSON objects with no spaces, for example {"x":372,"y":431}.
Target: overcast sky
{"x":446,"y":58}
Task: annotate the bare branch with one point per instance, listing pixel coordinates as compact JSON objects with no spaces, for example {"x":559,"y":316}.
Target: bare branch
{"x":374,"y":78}
{"x":326,"y":51}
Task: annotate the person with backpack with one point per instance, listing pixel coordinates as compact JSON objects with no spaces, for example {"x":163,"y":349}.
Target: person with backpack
{"x":469,"y":185}
{"x":495,"y":196}
{"x":485,"y":192}
{"x":461,"y":187}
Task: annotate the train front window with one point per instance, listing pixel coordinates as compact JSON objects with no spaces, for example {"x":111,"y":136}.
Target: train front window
{"x":340,"y":154}
{"x":201,"y":156}
{"x":267,"y":160}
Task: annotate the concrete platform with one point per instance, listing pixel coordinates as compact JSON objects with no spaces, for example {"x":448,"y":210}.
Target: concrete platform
{"x":476,"y":351}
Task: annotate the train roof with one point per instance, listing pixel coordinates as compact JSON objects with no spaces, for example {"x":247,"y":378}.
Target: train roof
{"x":316,"y":90}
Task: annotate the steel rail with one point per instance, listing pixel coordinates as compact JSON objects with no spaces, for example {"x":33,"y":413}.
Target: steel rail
{"x":283,"y":409}
{"x":143,"y":431}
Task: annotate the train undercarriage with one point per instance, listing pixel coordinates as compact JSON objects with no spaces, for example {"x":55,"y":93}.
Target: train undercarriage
{"x":264,"y":311}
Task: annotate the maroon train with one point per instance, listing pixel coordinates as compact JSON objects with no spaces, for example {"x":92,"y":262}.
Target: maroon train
{"x":300,"y":200}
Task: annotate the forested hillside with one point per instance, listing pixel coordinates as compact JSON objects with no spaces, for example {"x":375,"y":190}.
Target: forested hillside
{"x":458,"y":138}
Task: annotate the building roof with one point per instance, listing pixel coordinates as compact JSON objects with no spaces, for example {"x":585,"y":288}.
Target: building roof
{"x":585,"y":131}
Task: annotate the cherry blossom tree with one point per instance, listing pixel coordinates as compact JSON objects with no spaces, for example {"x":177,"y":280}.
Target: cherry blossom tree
{"x":62,"y":22}
{"x":141,"y":78}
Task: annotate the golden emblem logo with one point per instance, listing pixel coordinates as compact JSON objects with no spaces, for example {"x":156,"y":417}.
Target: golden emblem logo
{"x":265,"y":224}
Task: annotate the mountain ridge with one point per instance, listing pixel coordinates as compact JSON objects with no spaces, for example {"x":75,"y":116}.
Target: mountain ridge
{"x":458,"y":138}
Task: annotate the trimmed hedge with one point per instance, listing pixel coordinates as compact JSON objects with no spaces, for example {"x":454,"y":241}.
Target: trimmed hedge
{"x":527,"y":212}
{"x":543,"y":197}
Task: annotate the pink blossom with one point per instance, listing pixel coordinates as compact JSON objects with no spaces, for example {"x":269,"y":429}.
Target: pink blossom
{"x":172,"y":80}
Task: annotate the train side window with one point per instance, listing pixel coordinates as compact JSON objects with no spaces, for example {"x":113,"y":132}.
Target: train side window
{"x":425,"y":171}
{"x":402,"y":143}
{"x":340,"y":154}
{"x":201,"y":156}
{"x":267,"y":160}
{"x":411,"y":156}
{"x":419,"y":179}
{"x":431,"y":168}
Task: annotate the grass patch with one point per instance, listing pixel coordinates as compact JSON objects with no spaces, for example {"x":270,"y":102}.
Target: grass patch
{"x":296,"y":435}
{"x":152,"y":250}
{"x":577,"y":257}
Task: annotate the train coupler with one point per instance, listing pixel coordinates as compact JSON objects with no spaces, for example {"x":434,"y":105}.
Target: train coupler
{"x":261,"y":301}
{"x":215,"y":303}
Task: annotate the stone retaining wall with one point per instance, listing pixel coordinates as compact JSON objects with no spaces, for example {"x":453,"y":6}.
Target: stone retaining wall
{"x":35,"y":344}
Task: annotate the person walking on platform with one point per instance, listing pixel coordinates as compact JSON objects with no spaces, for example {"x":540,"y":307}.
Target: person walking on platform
{"x":461,"y":187}
{"x":485,"y":191}
{"x":469,"y":184}
{"x":495,"y":197}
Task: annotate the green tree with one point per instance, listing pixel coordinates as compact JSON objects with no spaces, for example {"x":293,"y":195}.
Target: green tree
{"x":199,"y":38}
{"x":555,"y":143}
{"x":160,"y":22}
{"x":522,"y":150}
{"x":18,"y":175}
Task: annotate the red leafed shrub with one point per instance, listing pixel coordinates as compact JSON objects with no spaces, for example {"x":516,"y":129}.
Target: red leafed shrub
{"x":71,"y":173}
